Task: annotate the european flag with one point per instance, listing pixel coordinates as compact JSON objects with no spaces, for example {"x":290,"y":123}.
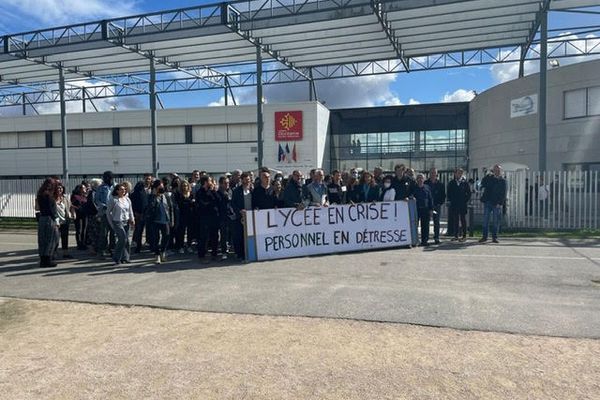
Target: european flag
{"x":281,"y":155}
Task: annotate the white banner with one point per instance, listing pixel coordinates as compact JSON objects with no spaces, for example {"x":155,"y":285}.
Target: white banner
{"x":288,"y":232}
{"x":524,"y":106}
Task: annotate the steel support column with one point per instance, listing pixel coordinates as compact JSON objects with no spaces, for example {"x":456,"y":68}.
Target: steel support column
{"x":24,"y":104}
{"x":63,"y":125}
{"x":543,"y":90}
{"x":83,"y":99}
{"x":259,"y":106}
{"x":153,"y":127}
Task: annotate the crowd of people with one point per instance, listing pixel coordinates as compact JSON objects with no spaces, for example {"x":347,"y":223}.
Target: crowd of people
{"x":200,"y":215}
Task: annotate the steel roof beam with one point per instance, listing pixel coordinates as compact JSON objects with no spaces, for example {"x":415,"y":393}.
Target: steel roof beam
{"x":231,"y":18}
{"x":543,"y":8}
{"x":378,"y":10}
{"x":213,"y":77}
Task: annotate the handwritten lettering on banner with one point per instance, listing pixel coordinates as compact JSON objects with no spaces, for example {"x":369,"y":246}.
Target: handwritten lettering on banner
{"x":288,"y":232}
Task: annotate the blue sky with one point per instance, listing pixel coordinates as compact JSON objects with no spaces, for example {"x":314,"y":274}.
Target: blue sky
{"x":416,"y":87}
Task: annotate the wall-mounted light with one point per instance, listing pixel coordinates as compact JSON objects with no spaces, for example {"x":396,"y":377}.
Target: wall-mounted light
{"x":554,"y":63}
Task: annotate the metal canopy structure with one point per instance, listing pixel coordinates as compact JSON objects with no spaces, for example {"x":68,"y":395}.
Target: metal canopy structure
{"x":196,"y":48}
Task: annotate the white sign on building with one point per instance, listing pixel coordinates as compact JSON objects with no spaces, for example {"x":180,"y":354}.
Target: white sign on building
{"x":523,"y":106}
{"x":289,"y":232}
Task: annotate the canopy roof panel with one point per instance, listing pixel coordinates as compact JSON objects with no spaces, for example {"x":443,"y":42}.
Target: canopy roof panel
{"x":299,"y":34}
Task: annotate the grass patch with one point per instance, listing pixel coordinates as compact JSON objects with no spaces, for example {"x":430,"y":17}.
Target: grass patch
{"x":18,"y":223}
{"x":537,"y":233}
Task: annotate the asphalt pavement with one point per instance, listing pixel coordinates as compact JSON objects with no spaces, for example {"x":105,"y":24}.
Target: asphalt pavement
{"x":529,"y":286}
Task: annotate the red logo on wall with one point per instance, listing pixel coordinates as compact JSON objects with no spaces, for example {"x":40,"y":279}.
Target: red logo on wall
{"x":288,"y":125}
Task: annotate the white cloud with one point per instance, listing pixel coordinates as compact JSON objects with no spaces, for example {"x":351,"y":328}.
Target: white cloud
{"x":509,"y":71}
{"x":34,"y":13}
{"x":76,"y":106}
{"x":366,"y":91}
{"x":458,"y":95}
{"x":412,"y":101}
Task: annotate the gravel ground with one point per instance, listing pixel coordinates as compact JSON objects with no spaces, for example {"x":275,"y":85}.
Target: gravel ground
{"x":62,"y":350}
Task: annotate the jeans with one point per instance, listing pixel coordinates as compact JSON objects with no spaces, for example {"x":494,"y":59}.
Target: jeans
{"x":458,"y":216}
{"x":494,"y":211}
{"x":105,"y":230}
{"x":436,"y":222}
{"x":138,"y":230}
{"x":423,"y":214}
{"x":121,"y":252}
{"x":81,"y":231}
{"x":159,"y":236}
{"x":208,"y":232}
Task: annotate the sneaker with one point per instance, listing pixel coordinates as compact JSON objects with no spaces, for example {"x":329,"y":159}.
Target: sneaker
{"x":495,"y":240}
{"x":158,"y":259}
{"x":482,"y":240}
{"x":181,"y":251}
{"x":454,"y":239}
{"x":116,"y":263}
{"x":223,"y":257}
{"x":463,"y":239}
{"x":424,"y":244}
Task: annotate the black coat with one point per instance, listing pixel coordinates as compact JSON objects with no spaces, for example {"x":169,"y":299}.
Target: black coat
{"x":237,"y":201}
{"x":263,"y":199}
{"x":459,"y":194}
{"x":437,"y":191}
{"x":292,"y":194}
{"x":405,"y":187}
{"x":494,"y":190}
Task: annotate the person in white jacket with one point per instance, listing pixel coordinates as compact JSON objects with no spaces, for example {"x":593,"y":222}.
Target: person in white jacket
{"x":120,"y":216}
{"x":388,"y":193}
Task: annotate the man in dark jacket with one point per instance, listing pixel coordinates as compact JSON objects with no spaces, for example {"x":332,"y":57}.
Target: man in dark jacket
{"x":207,"y":205}
{"x":438,"y":192}
{"x":336,"y":190}
{"x":459,"y":194}
{"x":424,"y":207}
{"x":493,"y":199}
{"x":292,"y":194}
{"x":139,"y":202}
{"x":225,"y":213}
{"x":241,"y":202}
{"x":263,"y":196}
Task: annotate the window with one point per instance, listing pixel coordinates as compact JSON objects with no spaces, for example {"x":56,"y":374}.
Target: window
{"x":593,"y":106}
{"x":575,"y":102}
{"x":582,"y":102}
{"x":31,"y":139}
{"x":74,"y":138}
{"x":8,"y":140}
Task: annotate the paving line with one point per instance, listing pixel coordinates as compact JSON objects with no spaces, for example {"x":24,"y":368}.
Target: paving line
{"x":514,"y":256}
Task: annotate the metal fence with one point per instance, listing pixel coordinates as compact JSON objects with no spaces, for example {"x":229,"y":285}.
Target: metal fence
{"x":553,"y":200}
{"x":17,"y":196}
{"x":535,"y":200}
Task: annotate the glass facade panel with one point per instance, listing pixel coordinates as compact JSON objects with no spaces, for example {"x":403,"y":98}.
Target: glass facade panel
{"x":422,"y":150}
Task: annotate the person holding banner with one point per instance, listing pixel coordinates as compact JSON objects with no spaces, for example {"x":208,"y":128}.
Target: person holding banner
{"x":315,"y":193}
{"x":336,"y":190}
{"x":292,"y":194}
{"x":424,"y":207}
{"x":263,"y":197}
{"x":388,"y":192}
{"x":241,"y":202}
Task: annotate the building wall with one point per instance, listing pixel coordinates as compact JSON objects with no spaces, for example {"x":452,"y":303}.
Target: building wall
{"x":224,"y":138}
{"x":495,"y":137}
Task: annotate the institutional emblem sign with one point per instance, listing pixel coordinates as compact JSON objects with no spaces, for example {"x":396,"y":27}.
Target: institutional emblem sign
{"x":288,"y":125}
